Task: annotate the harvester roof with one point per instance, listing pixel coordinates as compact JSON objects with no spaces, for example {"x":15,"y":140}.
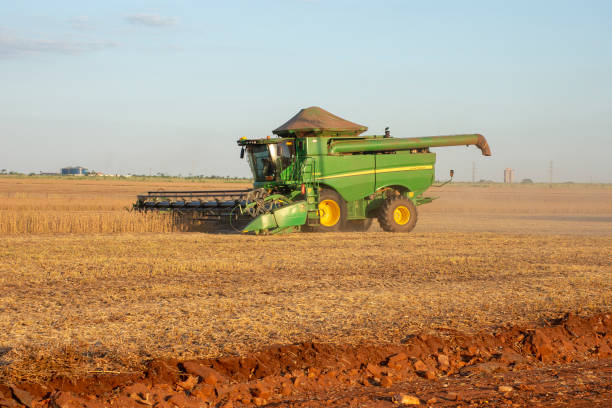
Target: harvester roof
{"x":315,"y":121}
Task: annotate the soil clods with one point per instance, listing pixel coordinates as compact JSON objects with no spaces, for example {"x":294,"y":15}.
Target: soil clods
{"x":568,"y":361}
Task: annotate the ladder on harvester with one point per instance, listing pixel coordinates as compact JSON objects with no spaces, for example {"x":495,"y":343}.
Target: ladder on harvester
{"x":312,"y":191}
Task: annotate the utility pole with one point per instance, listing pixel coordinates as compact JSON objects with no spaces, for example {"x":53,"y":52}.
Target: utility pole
{"x":473,"y":172}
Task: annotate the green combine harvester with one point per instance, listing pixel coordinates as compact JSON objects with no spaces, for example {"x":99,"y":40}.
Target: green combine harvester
{"x":320,"y":174}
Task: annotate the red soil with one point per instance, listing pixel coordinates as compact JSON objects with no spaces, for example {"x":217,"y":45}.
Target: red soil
{"x":568,"y":362}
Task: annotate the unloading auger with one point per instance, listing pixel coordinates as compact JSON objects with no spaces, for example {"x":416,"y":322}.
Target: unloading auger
{"x":320,"y":174}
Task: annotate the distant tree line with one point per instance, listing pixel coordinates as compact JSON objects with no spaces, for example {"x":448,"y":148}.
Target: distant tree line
{"x":6,"y":172}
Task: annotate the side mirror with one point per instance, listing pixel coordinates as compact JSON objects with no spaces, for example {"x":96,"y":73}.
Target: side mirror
{"x":452,"y":173}
{"x":242,"y":153}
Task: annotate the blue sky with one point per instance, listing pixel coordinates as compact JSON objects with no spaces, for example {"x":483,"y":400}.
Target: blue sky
{"x":168,"y":86}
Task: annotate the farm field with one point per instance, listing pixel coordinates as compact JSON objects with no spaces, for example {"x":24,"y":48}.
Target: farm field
{"x":90,"y":290}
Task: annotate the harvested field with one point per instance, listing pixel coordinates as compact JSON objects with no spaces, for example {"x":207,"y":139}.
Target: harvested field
{"x":185,"y":295}
{"x":480,"y":259}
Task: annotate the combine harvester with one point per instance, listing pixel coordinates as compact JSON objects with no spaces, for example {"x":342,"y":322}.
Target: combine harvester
{"x":319,"y":174}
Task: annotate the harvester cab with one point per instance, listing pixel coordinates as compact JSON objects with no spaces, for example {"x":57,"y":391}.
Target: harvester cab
{"x":268,"y":158}
{"x":319,"y":173}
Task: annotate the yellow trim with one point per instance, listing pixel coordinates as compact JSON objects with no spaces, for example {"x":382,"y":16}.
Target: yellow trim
{"x":425,"y":167}
{"x":356,"y":173}
{"x":364,"y":172}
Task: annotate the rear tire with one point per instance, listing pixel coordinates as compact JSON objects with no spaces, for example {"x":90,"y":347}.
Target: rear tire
{"x":332,"y":211}
{"x":397,"y":214}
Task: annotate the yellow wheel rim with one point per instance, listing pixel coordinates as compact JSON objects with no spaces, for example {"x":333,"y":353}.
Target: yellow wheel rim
{"x":401,"y":215}
{"x":329,"y":213}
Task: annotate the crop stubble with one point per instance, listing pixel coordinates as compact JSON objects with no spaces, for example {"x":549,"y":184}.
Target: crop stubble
{"x":77,"y":303}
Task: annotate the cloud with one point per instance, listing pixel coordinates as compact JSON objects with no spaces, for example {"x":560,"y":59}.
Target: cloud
{"x":12,"y":46}
{"x":151,"y":20}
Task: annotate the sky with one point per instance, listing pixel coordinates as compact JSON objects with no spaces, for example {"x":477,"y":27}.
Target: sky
{"x":169,"y":86}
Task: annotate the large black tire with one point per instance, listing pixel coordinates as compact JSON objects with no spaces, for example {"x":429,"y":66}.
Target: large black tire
{"x":397,"y":214}
{"x":329,"y":200}
{"x":359,"y":225}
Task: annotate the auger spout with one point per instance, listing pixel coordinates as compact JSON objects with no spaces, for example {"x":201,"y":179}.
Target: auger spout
{"x":390,"y":144}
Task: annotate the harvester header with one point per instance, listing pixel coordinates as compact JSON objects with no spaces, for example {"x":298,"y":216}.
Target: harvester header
{"x":321,"y":174}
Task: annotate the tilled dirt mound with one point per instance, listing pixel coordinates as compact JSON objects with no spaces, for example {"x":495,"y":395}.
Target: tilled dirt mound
{"x":513,"y":364}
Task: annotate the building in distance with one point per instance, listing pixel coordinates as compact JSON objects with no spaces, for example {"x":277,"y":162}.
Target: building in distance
{"x":509,"y":176}
{"x":74,"y":171}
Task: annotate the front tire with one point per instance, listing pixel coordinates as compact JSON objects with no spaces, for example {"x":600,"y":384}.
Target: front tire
{"x":397,"y":214}
{"x":332,"y":211}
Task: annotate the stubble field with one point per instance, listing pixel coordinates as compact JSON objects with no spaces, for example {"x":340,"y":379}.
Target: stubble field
{"x":87,"y":287}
